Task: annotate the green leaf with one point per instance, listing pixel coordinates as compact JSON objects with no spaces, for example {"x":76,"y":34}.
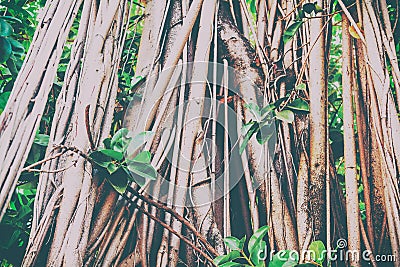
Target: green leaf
{"x":119,"y":180}
{"x":120,"y":141}
{"x":11,"y":63}
{"x":300,"y":15}
{"x":283,"y":257}
{"x":246,"y":127}
{"x":257,"y":237}
{"x":231,"y":264}
{"x":17,"y":47}
{"x":290,"y":263}
{"x":309,"y":8}
{"x":233,"y":255}
{"x":143,"y":170}
{"x":5,"y":28}
{"x":143,"y":157}
{"x":100,"y":159}
{"x":3,"y":100}
{"x":291,"y":31}
{"x":138,"y":141}
{"x":233,"y":243}
{"x":112,"y":154}
{"x":265,"y":133}
{"x":285,"y":115}
{"x":41,"y":139}
{"x":253,"y":7}
{"x":267,"y":109}
{"x":318,"y":251}
{"x":278,"y":102}
{"x":254,"y":108}
{"x":318,"y":8}
{"x":11,"y":19}
{"x":107,"y":143}
{"x":299,"y":104}
{"x":301,"y":87}
{"x":111,"y":168}
{"x":258,"y":252}
{"x":249,"y":134}
{"x":5,"y":49}
{"x":24,"y":211}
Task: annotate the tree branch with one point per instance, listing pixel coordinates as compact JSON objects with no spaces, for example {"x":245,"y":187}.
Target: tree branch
{"x":185,"y":222}
{"x":179,"y":235}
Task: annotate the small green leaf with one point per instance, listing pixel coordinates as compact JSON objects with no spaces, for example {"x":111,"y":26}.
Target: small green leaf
{"x":112,"y":154}
{"x":17,"y":47}
{"x":118,"y":180}
{"x":318,"y":8}
{"x":258,"y":253}
{"x":107,"y":143}
{"x":291,"y":31}
{"x":266,"y":110}
{"x":41,"y":139}
{"x":5,"y":28}
{"x":283,"y":257}
{"x":290,"y":263}
{"x":254,"y":108}
{"x":111,"y":168}
{"x":138,"y":141}
{"x":300,"y":15}
{"x":318,"y":251}
{"x":285,"y":115}
{"x":265,"y":133}
{"x":143,"y":157}
{"x":246,"y":127}
{"x":278,"y":102}
{"x":257,"y":237}
{"x":233,"y":243}
{"x":11,"y":19}
{"x":253,"y":7}
{"x":249,"y":134}
{"x":143,"y":170}
{"x":299,"y":104}
{"x":5,"y":49}
{"x":309,"y":8}
{"x":119,"y":141}
{"x":3,"y":100}
{"x":231,"y":256}
{"x":100,"y":159}
{"x":301,"y":87}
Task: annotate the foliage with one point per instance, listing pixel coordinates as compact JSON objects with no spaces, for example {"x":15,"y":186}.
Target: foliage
{"x":127,"y":82}
{"x":17,"y":25}
{"x":256,"y":253}
{"x":238,"y":256}
{"x":305,"y":12}
{"x":16,"y":224}
{"x":114,"y":163}
{"x":263,"y":125}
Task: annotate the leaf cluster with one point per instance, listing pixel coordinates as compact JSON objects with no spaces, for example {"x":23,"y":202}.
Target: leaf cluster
{"x":114,"y":162}
{"x":263,"y":124}
{"x":307,"y":10}
{"x":256,"y":253}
